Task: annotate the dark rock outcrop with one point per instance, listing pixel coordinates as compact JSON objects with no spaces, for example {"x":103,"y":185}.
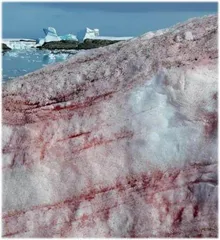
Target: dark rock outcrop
{"x":86,"y":44}
{"x":94,"y":43}
{"x":5,"y":47}
{"x":64,"y":44}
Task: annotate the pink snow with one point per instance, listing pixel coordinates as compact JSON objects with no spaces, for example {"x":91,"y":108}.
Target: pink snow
{"x":118,"y":142}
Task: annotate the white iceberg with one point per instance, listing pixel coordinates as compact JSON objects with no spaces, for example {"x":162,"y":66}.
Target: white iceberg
{"x":40,"y":41}
{"x":91,"y":33}
{"x":51,"y":36}
{"x":94,"y":34}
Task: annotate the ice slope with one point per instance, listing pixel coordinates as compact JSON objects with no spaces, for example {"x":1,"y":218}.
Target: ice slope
{"x":120,"y":142}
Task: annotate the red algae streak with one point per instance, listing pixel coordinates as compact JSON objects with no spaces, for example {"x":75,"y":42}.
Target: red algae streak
{"x":196,"y":211}
{"x":74,"y":136}
{"x":211,"y":124}
{"x":41,"y":113}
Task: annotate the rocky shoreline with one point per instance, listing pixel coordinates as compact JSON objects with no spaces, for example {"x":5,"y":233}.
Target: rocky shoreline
{"x":71,"y":44}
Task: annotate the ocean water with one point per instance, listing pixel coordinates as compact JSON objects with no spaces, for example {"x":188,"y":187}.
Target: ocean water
{"x":18,"y":62}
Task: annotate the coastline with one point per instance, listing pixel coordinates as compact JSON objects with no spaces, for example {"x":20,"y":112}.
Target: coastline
{"x":67,"y":44}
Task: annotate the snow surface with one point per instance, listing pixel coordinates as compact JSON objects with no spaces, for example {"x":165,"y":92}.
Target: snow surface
{"x":167,"y":121}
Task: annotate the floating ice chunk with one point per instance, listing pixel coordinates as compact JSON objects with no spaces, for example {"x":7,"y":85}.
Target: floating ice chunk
{"x":19,"y":43}
{"x":49,"y":58}
{"x":52,"y":58}
{"x":69,"y":37}
{"x":12,"y":54}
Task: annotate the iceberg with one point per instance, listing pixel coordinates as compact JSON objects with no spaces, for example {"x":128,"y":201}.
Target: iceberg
{"x":51,"y":34}
{"x":94,"y":34}
{"x":40,"y":41}
{"x":69,"y":37}
{"x":91,"y":33}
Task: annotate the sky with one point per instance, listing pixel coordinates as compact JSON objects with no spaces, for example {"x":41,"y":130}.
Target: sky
{"x":27,"y":19}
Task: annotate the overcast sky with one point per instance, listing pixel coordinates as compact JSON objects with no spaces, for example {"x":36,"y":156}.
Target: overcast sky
{"x":26,"y":20}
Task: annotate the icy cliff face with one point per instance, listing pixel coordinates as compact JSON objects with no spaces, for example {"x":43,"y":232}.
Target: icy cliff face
{"x":120,"y":142}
